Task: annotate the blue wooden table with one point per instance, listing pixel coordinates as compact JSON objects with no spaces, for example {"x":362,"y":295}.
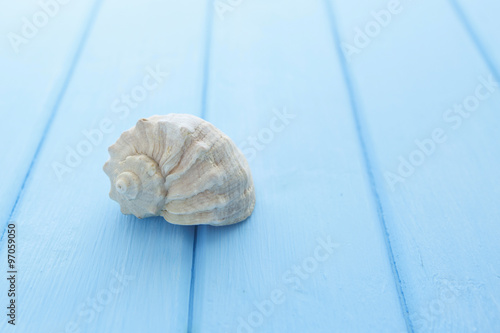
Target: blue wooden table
{"x":372,"y":131}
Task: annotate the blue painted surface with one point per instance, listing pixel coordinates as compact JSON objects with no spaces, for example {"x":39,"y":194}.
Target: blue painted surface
{"x":35,"y":73}
{"x":337,"y":242}
{"x":482,"y":28}
{"x":307,"y":173}
{"x":442,"y":217}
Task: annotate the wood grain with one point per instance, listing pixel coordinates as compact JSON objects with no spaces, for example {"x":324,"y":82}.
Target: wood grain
{"x":347,"y":234}
{"x":442,"y":216}
{"x":477,"y":17}
{"x":73,"y":241}
{"x":310,"y":183}
{"x":34,"y":73}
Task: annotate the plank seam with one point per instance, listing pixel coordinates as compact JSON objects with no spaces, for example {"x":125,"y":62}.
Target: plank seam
{"x":475,"y":39}
{"x":203,"y":107}
{"x":55,"y":108}
{"x":367,"y":161}
{"x":191,"y":287}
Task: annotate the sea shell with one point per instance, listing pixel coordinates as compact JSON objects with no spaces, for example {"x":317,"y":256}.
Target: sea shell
{"x":183,"y":168}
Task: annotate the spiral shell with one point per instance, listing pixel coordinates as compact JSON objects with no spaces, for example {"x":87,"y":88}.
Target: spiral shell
{"x":182,"y":168}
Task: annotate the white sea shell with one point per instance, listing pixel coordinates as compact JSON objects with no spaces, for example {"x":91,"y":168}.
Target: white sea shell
{"x":182,"y":168}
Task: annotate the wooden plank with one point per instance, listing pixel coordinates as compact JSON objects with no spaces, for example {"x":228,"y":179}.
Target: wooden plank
{"x":480,"y":18}
{"x":83,"y":266}
{"x":34,"y":66}
{"x":442,"y":213}
{"x":310,"y":182}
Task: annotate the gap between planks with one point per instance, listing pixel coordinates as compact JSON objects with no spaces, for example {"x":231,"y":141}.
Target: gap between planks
{"x":204,"y":97}
{"x":475,"y":39}
{"x":55,"y":108}
{"x":367,"y":161}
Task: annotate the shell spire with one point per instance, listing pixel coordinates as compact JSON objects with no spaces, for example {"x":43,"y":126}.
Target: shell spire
{"x":183,"y":168}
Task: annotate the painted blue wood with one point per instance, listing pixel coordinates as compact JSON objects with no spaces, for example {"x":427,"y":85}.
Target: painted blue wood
{"x":430,"y":256}
{"x":442,"y":212}
{"x":83,"y":266}
{"x":34,"y":66}
{"x":276,"y":87}
{"x":482,"y":24}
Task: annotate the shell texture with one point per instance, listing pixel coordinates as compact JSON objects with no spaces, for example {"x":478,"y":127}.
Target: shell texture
{"x":183,"y":168}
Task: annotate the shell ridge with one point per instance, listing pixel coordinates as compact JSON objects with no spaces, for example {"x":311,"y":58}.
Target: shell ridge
{"x":218,"y":199}
{"x":233,"y":217}
{"x":202,"y":151}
